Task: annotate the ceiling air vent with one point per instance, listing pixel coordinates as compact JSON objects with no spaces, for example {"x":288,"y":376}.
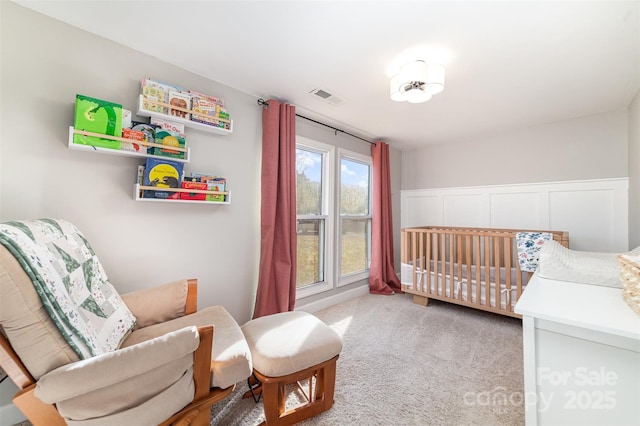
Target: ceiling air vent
{"x":327,"y":97}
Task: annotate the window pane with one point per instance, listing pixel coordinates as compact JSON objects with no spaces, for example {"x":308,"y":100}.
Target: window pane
{"x":308,"y":182}
{"x":310,"y":259}
{"x":354,"y":242}
{"x":354,"y":188}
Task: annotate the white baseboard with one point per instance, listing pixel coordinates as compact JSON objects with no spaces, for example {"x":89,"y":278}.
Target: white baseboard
{"x":318,"y":305}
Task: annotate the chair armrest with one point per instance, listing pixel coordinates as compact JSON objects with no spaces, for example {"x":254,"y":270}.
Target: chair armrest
{"x":162,"y":303}
{"x":81,"y":377}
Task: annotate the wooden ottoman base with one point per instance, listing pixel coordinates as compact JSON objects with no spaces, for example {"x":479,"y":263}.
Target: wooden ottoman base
{"x":319,"y":397}
{"x":288,"y":348}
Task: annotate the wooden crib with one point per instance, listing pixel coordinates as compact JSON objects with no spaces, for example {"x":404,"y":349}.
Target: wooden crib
{"x":475,"y":267}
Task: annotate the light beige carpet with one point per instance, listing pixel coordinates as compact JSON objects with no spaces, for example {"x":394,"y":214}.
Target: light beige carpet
{"x":404,"y":364}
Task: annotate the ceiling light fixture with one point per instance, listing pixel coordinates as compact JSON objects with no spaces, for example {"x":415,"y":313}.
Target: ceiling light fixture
{"x":417,"y":81}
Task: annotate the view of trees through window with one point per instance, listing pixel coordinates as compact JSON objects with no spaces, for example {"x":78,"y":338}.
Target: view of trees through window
{"x":312,"y":224}
{"x":354,"y":216}
{"x":310,"y":268}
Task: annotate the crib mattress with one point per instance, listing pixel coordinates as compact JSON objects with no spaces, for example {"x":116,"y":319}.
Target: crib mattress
{"x":457,"y":287}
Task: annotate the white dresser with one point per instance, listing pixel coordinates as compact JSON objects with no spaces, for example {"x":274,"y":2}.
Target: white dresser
{"x":581,"y":355}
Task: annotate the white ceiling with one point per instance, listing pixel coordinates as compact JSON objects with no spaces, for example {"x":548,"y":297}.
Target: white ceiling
{"x":509,"y":64}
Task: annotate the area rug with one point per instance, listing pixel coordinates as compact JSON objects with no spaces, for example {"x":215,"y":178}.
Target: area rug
{"x":405,"y":364}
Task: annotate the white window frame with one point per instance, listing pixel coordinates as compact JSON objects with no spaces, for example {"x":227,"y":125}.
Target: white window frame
{"x":328,"y":213}
{"x":343,"y":280}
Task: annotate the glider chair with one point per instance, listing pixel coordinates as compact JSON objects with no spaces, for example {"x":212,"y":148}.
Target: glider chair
{"x":83,"y":355}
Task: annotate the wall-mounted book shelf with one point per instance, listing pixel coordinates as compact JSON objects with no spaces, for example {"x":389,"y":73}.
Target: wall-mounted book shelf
{"x":121,"y":152}
{"x":137,"y":190}
{"x":187,"y":123}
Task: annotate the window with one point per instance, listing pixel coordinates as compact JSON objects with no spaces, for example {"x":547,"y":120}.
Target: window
{"x":314,"y":165}
{"x":355,"y":217}
{"x":328,"y":212}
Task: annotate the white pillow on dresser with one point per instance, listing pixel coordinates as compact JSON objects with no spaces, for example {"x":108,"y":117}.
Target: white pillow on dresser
{"x":563,"y":264}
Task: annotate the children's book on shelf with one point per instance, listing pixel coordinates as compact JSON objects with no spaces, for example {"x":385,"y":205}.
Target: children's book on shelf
{"x":181,"y":100}
{"x":170,"y":134}
{"x":214,"y":183}
{"x":149,"y":131}
{"x":155,"y":91}
{"x":97,"y":116}
{"x":208,"y":110}
{"x":193,"y":195}
{"x":162,"y":174}
{"x":135,"y":136}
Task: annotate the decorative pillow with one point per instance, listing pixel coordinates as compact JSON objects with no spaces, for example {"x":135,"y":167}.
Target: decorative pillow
{"x":529,"y":245}
{"x":562,"y":264}
{"x":71,"y":283}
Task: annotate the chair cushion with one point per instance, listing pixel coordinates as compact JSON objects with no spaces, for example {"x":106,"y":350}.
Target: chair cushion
{"x":26,"y":323}
{"x":71,"y":283}
{"x":230,"y":358}
{"x":285,"y":343}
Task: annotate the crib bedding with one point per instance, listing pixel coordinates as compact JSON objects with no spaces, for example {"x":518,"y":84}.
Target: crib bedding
{"x":476,"y":267}
{"x":459,"y":282}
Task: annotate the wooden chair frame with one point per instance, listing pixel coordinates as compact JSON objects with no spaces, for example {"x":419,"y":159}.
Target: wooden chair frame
{"x":196,"y":413}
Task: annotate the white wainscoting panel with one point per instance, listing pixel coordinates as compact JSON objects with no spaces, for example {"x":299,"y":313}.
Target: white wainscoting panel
{"x":594,"y":212}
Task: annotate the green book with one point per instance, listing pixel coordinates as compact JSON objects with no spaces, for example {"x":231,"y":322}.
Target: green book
{"x":97,"y":116}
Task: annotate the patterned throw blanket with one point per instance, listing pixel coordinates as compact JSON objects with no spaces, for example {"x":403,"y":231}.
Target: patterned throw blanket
{"x":529,"y":245}
{"x":71,"y":283}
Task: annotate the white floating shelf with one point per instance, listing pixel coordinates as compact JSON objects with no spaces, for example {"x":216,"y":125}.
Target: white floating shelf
{"x":187,"y":123}
{"x":120,"y":152}
{"x":137,"y":188}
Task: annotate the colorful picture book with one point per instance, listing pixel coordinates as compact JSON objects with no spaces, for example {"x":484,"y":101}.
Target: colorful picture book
{"x":134,"y":135}
{"x":170,"y":134}
{"x":181,"y":100}
{"x":97,"y":116}
{"x":162,"y":174}
{"x":155,"y":91}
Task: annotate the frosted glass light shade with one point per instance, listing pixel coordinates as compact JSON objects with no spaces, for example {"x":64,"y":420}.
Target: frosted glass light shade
{"x":394,"y":90}
{"x":435,"y":78}
{"x":417,"y":96}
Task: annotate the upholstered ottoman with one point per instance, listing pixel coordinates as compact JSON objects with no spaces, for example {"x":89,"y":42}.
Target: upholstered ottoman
{"x":287,"y":348}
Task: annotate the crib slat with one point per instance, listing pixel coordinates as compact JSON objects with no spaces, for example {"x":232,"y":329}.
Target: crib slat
{"x":414,"y":266}
{"x":487,"y":268}
{"x":427,"y":281}
{"x":420,"y":263}
{"x":496,"y":261}
{"x":507,"y":272}
{"x":468,"y":262}
{"x":478,"y":274}
{"x":452,"y":262}
{"x":443,"y":266}
{"x":459,"y":255}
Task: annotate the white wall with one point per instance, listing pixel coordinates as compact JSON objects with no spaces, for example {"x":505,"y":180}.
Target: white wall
{"x":634,"y":172}
{"x":593,"y":212}
{"x":593,"y":147}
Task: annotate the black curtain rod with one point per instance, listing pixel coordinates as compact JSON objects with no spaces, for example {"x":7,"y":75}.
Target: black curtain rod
{"x":265,"y":104}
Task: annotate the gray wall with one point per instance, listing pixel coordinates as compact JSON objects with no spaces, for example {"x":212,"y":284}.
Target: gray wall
{"x":141,"y":244}
{"x":45,"y":63}
{"x":590,"y":147}
{"x":634,"y":172}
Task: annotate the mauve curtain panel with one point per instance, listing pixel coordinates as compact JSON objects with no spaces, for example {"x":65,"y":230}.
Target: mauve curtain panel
{"x":277,"y":276}
{"x":382,"y":276}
